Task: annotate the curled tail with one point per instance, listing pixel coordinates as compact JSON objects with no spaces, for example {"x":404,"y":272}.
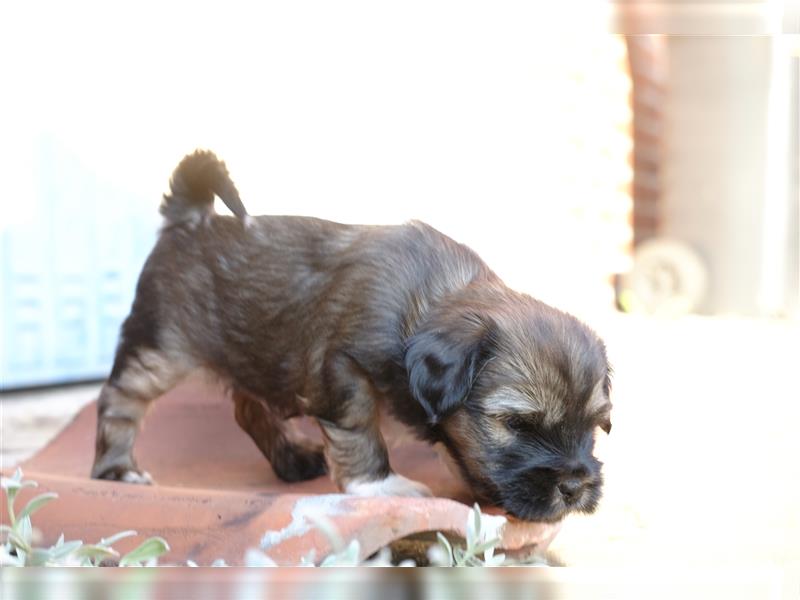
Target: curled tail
{"x":195,"y":181}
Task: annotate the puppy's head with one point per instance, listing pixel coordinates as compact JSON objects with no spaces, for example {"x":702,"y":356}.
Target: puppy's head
{"x":515,"y":390}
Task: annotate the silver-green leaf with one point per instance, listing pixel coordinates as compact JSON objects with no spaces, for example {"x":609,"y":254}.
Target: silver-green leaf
{"x":149,"y":549}
{"x":36,"y":503}
{"x":116,"y":537}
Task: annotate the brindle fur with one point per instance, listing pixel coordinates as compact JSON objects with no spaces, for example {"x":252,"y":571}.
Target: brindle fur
{"x":305,"y":316}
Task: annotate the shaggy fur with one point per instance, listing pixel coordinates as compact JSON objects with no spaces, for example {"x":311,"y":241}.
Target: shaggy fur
{"x":306,"y":316}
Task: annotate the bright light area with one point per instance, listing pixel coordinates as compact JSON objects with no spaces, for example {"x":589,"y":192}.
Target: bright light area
{"x":466,"y":117}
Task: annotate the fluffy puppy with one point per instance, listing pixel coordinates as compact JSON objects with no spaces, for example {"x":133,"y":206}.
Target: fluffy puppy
{"x":303,"y":316}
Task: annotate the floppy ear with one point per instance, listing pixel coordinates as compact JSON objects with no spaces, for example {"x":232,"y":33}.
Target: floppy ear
{"x":442,"y":364}
{"x":605,"y":423}
{"x":598,"y":406}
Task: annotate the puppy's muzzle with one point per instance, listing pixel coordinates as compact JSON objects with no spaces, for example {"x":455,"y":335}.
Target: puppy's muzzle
{"x":572,"y":489}
{"x":549,"y":493}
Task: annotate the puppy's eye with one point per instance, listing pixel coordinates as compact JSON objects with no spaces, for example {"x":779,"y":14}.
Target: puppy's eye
{"x":516,"y":423}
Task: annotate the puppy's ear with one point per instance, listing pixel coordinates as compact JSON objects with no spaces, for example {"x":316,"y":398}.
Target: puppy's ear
{"x":605,"y":422}
{"x":598,"y":405}
{"x":443,"y":361}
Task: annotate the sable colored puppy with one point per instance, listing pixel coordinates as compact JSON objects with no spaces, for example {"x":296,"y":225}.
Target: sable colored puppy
{"x":304,"y":316}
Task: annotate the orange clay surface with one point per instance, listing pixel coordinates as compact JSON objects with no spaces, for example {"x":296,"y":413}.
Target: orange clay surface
{"x":216,"y":495}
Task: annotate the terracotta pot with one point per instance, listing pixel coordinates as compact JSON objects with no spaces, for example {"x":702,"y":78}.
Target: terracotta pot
{"x":216,"y":496}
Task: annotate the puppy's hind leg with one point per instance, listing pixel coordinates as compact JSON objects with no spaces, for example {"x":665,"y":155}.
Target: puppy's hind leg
{"x":139,"y":376}
{"x":291,"y":455}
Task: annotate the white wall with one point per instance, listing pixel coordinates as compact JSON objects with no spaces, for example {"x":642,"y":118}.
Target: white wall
{"x":726,"y":172}
{"x":483,"y":119}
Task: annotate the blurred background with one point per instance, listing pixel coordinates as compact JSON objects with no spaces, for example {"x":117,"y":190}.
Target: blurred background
{"x":635,"y":163}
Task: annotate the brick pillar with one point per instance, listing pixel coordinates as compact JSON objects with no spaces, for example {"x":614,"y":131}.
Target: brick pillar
{"x":646,"y":58}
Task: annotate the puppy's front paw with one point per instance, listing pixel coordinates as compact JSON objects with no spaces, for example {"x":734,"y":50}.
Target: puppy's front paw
{"x":127,"y":476}
{"x":393,"y":485}
{"x":142,"y":478}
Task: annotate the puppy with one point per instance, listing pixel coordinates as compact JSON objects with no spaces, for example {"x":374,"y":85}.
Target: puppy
{"x":302,"y":316}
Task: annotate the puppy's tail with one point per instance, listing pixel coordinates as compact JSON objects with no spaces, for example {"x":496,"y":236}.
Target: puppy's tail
{"x":194,"y":183}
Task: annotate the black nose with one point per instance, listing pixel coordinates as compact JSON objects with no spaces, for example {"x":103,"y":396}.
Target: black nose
{"x":571,"y":489}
